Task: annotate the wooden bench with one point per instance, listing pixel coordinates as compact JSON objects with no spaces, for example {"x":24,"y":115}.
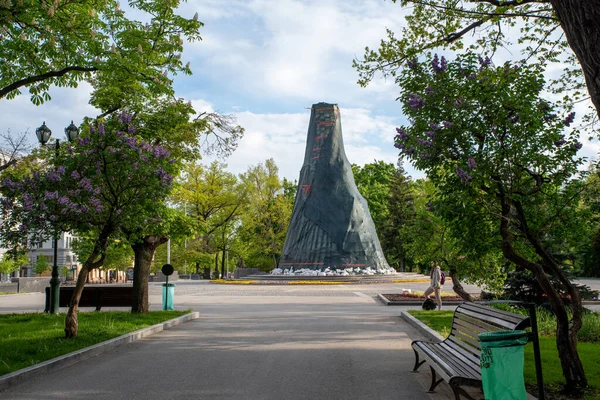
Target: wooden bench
{"x":456,"y":358}
{"x":95,"y":296}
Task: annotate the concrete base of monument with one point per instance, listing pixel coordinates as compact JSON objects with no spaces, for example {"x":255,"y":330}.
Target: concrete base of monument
{"x":394,"y":277}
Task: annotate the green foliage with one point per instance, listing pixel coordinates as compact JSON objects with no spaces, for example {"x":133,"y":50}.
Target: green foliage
{"x":266,"y":217}
{"x":10,"y":263}
{"x":28,"y":339}
{"x":47,"y":43}
{"x":41,"y":265}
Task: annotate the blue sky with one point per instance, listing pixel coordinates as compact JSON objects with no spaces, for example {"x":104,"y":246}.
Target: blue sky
{"x":266,"y":61}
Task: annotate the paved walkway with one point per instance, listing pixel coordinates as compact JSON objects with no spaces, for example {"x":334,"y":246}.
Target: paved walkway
{"x":267,"y":342}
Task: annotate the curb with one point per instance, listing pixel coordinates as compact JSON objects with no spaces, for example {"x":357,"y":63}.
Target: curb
{"x":388,"y":302}
{"x":24,"y":374}
{"x":429,"y":333}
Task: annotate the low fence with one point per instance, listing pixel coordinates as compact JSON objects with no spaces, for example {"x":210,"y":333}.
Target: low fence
{"x":242,"y":272}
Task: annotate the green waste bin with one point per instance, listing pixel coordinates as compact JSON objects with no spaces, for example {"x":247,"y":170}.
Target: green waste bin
{"x":168,"y":293}
{"x":502,"y":355}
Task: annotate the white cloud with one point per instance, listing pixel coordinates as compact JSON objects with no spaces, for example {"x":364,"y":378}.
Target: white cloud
{"x":283,"y":138}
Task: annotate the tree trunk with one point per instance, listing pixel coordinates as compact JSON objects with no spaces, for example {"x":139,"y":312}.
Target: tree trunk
{"x":217,"y":265}
{"x":143,"y":253}
{"x":566,"y":333}
{"x":223,"y":275}
{"x":457,"y":286}
{"x":71,"y":321}
{"x":197,"y":268}
{"x":580,"y":20}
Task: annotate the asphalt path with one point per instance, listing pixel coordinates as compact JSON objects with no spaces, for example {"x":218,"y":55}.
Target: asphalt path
{"x":252,"y":342}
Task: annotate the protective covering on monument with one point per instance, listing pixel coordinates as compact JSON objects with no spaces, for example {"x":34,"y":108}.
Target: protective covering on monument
{"x":331,"y":231}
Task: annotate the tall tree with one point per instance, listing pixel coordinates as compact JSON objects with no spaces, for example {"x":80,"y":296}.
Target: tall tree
{"x":107,"y":182}
{"x":549,"y":31}
{"x":493,"y":146}
{"x":267,"y":215}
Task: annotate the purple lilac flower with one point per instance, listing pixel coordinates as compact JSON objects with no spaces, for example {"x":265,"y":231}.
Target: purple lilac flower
{"x":131,"y":129}
{"x":414,"y":101}
{"x":60,"y":170}
{"x":131,"y":142}
{"x":63,"y":201}
{"x":471,"y":77}
{"x":425,"y":155}
{"x":126,"y":118}
{"x":119,"y":211}
{"x":97,"y":204}
{"x":402,"y":135}
{"x":86,"y":184}
{"x":434,"y":126}
{"x":550,"y":117}
{"x":412,"y":63}
{"x":472,"y":163}
{"x":463,"y":175}
{"x":430,"y":134}
{"x":160,"y":152}
{"x":75,"y":175}
{"x":92,"y":129}
{"x":22,"y":227}
{"x":51,"y":195}
{"x":144,"y":159}
{"x":27,"y":202}
{"x":543,"y":105}
{"x":101,"y":129}
{"x":119,"y":134}
{"x":425,"y":142}
{"x":447,"y":124}
{"x":84,"y":209}
{"x":97,"y":191}
{"x":111,"y":149}
{"x":484,"y":62}
{"x":429,"y":90}
{"x":577,"y":146}
{"x":439,"y":66}
{"x":560,"y":141}
{"x":54,"y":176}
{"x":569,"y":119}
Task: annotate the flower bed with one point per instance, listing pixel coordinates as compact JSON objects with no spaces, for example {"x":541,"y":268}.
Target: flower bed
{"x":419,"y":296}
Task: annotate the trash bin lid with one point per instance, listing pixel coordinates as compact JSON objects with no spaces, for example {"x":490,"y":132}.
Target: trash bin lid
{"x":503,"y":338}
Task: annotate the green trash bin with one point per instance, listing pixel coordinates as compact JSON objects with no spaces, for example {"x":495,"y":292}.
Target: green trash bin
{"x":502,"y":359}
{"x":168,"y":294}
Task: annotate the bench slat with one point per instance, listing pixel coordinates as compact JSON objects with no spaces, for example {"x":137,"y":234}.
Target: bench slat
{"x":446,"y":362}
{"x":516,"y":319}
{"x":488,"y":327}
{"x":467,"y":351}
{"x":498,"y":321}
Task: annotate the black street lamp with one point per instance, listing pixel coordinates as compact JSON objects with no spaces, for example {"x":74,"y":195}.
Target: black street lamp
{"x":43,"y":134}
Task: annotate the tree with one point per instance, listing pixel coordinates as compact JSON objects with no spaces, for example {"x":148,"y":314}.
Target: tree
{"x":41,"y":265}
{"x":492,"y":24}
{"x":11,"y":262}
{"x":12,"y":149}
{"x":493,"y":146}
{"x":47,"y":43}
{"x":100,"y":186}
{"x":213,"y":199}
{"x":268,"y":211}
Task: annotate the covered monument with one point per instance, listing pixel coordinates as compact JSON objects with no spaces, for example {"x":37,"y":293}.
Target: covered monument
{"x":331,"y":226}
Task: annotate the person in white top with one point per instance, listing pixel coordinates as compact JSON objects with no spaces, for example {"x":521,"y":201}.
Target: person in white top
{"x":435,"y":285}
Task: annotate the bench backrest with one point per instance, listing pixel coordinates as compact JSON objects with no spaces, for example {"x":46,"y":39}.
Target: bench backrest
{"x":471,"y":319}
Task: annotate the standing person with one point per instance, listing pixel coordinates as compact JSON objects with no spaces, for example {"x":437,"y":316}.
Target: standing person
{"x":436,"y":284}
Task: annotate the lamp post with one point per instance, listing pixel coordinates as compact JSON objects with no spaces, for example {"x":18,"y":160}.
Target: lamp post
{"x":43,"y":134}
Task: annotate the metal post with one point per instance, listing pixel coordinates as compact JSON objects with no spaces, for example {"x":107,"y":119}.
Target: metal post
{"x":169,"y":251}
{"x":166,"y":307}
{"x":54,"y":281}
{"x":536,"y":349}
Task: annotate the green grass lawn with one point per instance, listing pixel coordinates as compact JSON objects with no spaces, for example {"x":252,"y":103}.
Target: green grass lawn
{"x":28,"y":339}
{"x":441,"y":321}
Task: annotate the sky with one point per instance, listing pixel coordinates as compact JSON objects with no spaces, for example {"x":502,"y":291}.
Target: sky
{"x":266,"y":62}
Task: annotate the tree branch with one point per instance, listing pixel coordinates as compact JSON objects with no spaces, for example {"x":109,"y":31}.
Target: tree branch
{"x":38,"y":78}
